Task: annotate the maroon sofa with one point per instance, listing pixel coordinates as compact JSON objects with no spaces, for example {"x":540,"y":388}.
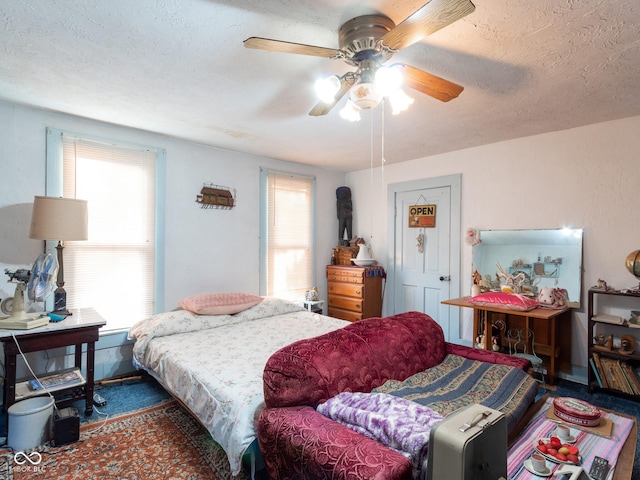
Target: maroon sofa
{"x":298,"y":443}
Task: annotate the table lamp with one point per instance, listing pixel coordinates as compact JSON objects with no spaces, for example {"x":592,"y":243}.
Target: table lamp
{"x":60,"y":219}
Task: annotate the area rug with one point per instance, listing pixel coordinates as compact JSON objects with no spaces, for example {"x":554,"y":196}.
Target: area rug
{"x":163,"y":441}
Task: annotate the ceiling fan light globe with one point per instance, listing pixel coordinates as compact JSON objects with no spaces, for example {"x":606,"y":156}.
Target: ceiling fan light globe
{"x":365,"y":95}
{"x":388,"y":80}
{"x":350,"y":112}
{"x":326,"y":88}
{"x":399,"y":101}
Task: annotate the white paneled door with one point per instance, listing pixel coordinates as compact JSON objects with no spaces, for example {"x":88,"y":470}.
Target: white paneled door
{"x":423,"y":272}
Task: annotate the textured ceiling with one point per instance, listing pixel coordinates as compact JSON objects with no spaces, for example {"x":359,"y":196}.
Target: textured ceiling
{"x":178,"y":67}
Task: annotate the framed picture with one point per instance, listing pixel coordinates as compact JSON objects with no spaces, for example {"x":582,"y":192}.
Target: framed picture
{"x":603,"y":342}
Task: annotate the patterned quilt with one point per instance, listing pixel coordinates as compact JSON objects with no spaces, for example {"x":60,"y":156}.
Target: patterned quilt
{"x":214,"y":364}
{"x":458,"y":382}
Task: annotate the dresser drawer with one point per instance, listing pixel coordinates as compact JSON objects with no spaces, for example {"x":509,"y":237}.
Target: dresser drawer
{"x":345,"y":303}
{"x":344,"y":314}
{"x":345,"y":274}
{"x":343,"y":279}
{"x":355,"y":290}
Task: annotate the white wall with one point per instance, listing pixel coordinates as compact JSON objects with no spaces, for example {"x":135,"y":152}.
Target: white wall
{"x":205,"y":250}
{"x":585,"y":177}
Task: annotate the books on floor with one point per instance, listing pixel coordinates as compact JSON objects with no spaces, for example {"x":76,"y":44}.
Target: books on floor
{"x":615,"y":374}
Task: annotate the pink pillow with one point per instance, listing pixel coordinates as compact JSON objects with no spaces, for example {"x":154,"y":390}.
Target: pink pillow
{"x":219,"y":303}
{"x":510,"y":301}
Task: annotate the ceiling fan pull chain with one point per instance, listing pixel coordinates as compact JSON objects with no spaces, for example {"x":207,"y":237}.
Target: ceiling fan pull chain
{"x":371,"y":178}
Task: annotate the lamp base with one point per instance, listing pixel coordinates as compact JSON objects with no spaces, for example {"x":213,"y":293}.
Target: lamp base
{"x":60,"y":300}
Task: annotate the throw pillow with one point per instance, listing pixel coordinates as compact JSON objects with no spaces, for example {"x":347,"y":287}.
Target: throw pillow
{"x":219,"y":303}
{"x":510,"y":301}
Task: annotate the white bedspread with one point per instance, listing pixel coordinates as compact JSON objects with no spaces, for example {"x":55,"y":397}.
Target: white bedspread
{"x":214,"y":364}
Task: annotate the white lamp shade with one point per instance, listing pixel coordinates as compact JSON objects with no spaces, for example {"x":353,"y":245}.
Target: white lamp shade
{"x":55,"y":218}
{"x":388,"y":80}
{"x":326,"y":88}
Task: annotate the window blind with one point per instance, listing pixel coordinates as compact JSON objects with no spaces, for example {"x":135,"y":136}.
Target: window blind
{"x":114,"y":270}
{"x":289,"y":256}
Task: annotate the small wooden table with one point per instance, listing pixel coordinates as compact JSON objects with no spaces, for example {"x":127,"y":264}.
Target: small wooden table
{"x":79,"y":328}
{"x":624,"y":464}
{"x":552,"y":329}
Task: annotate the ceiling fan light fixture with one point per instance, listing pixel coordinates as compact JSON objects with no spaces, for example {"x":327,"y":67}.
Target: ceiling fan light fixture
{"x":350,"y":112}
{"x":365,"y":95}
{"x":326,"y":88}
{"x":388,"y":80}
{"x":367,"y":42}
{"x":399,"y":101}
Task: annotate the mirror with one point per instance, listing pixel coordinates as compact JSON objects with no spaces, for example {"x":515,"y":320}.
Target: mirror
{"x":547,"y":258}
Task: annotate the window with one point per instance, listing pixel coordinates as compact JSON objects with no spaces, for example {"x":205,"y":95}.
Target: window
{"x":287,"y":233}
{"x":116,"y":270}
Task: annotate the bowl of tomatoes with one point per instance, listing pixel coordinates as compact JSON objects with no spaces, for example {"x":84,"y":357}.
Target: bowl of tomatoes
{"x":554,"y":450}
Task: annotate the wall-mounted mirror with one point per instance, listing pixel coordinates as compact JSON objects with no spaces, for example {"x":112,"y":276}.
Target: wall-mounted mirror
{"x":548,"y":258}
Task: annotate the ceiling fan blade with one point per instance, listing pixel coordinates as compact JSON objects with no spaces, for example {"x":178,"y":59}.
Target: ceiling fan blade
{"x":429,"y":84}
{"x":426,"y":20}
{"x":322,"y":108}
{"x":288,"y":47}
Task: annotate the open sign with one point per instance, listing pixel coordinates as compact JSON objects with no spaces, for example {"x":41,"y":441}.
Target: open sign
{"x":422,"y":216}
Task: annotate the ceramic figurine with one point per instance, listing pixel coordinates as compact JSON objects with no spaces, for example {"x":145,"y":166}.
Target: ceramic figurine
{"x":311,"y":295}
{"x":345,"y":214}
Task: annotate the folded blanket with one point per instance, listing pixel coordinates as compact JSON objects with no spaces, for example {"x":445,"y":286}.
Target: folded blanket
{"x":400,"y":424}
{"x":458,"y":382}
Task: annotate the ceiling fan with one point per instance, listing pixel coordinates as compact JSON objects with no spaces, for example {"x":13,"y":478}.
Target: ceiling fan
{"x":367,"y":42}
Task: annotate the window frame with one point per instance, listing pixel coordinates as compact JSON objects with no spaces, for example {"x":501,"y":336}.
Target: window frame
{"x":264,"y":216}
{"x":54,"y":188}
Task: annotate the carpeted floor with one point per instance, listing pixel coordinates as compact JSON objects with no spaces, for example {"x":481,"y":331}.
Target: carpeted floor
{"x":130,"y":396}
{"x":162,"y":441}
{"x":122,"y":396}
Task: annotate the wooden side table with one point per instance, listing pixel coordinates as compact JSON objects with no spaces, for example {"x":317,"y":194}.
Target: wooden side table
{"x":313,"y":306}
{"x":552,"y":328}
{"x":80,"y":328}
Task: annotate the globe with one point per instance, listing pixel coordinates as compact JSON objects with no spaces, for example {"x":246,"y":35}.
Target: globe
{"x":633,"y":263}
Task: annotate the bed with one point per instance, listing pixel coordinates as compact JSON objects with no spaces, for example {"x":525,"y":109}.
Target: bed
{"x":214,"y":363}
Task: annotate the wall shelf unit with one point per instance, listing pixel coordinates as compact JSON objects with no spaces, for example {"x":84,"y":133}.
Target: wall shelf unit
{"x":611,"y":368}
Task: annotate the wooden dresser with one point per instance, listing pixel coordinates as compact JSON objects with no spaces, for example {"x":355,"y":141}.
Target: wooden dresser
{"x":354,"y":293}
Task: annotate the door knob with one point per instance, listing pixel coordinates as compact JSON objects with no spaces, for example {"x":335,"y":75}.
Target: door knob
{"x":445,"y":278}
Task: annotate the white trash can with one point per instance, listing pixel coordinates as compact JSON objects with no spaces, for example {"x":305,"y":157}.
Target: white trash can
{"x":30,"y":423}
